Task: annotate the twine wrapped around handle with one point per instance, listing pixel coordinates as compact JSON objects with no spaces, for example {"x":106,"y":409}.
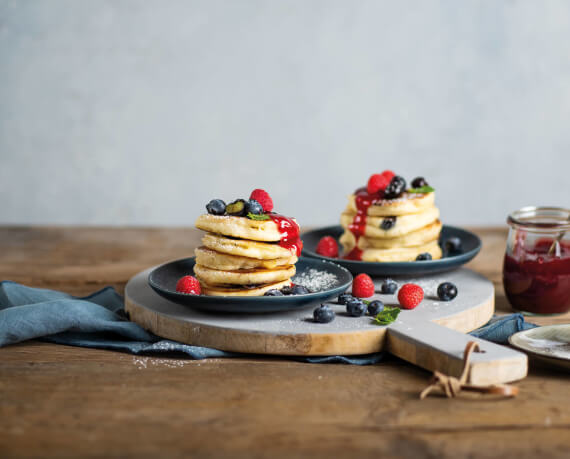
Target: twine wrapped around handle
{"x":452,"y":386}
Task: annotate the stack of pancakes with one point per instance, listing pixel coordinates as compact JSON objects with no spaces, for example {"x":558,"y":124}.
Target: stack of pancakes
{"x":241,"y":257}
{"x":412,"y":228}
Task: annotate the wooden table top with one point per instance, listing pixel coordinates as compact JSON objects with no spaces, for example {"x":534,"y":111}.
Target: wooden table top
{"x":63,"y":401}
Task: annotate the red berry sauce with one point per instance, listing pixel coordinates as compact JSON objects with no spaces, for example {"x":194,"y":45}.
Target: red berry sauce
{"x":537,"y":282}
{"x":363,"y":200}
{"x":290,"y":232}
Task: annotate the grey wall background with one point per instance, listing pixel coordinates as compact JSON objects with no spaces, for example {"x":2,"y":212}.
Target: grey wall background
{"x":132,"y":112}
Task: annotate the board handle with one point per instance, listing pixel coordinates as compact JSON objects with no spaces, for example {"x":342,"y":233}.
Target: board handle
{"x":435,"y":347}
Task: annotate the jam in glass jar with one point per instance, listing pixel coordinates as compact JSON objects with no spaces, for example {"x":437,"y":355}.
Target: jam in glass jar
{"x":536,"y":270}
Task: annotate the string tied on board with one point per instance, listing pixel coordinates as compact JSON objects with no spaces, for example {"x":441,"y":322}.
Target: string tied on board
{"x":452,"y":386}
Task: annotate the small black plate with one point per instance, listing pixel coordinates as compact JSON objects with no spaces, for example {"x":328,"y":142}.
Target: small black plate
{"x":163,"y":281}
{"x":471,"y":245}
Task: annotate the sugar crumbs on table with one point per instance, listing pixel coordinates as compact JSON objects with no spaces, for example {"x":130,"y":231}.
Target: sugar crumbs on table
{"x":315,"y":280}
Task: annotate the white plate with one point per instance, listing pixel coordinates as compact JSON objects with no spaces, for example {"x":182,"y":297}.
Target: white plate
{"x":549,"y":344}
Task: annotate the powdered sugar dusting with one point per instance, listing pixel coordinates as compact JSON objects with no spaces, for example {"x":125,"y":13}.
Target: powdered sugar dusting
{"x":144,"y":362}
{"x":315,"y":280}
{"x":405,"y":197}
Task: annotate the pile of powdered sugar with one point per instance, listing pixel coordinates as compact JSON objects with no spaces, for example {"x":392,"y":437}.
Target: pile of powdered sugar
{"x":315,"y":280}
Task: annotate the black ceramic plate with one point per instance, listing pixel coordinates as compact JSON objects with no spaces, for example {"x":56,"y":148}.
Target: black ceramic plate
{"x":163,"y":281}
{"x":470,"y":242}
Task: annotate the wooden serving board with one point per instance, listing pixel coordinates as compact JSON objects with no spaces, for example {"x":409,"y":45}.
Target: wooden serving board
{"x":431,"y":336}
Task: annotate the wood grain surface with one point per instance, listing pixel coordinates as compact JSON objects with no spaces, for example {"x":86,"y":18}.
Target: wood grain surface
{"x":59,"y":401}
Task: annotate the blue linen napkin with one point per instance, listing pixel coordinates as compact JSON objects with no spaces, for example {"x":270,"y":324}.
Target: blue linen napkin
{"x":99,"y":321}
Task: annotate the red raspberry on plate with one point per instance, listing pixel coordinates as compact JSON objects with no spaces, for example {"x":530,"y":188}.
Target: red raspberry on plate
{"x":189,"y":285}
{"x":410,"y":295}
{"x":327,"y":247}
{"x":362,"y":286}
{"x":379,"y":182}
{"x":263,"y":198}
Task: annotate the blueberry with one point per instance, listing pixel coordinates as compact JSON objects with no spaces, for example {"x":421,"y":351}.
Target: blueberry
{"x":300,"y":290}
{"x":388,"y":222}
{"x":344,"y":297}
{"x":253,"y":207}
{"x":423,"y":256}
{"x":287,"y":290}
{"x":236,"y":208}
{"x":395,"y":188}
{"x":418,"y":182}
{"x":453,"y":245}
{"x":273,"y":292}
{"x":216,"y":207}
{"x":446,"y":291}
{"x":355,"y":307}
{"x":375,"y":307}
{"x":323,"y":314}
{"x":389,"y":287}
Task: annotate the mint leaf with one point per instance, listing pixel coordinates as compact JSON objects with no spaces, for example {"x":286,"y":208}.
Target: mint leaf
{"x":423,"y":189}
{"x":259,"y":218}
{"x":387,"y":315}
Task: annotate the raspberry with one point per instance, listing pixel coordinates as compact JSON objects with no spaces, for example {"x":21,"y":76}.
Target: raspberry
{"x":362,"y":286}
{"x":410,"y":295}
{"x":327,"y":247}
{"x":189,"y":285}
{"x":263,"y":198}
{"x":379,"y":182}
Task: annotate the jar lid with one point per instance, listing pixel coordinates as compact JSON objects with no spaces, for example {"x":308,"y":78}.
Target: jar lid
{"x":541,"y":218}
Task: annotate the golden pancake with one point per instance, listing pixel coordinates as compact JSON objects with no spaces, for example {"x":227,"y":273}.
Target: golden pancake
{"x":240,"y":227}
{"x":217,"y":260}
{"x":408,"y":203}
{"x":244,"y":276}
{"x":404,"y":223}
{"x":245,"y":248}
{"x":415,"y":238}
{"x":229,"y":290}
{"x":401,"y":253}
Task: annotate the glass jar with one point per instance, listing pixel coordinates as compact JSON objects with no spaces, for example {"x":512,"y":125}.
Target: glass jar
{"x":536,"y":269}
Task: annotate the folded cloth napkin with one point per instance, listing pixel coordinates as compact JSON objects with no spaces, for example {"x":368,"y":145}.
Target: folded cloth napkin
{"x":99,"y":321}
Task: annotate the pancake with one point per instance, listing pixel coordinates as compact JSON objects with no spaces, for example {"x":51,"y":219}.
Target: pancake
{"x":245,"y":248}
{"x":415,"y":238}
{"x":408,"y":203}
{"x":245,"y":276}
{"x":401,"y":253}
{"x":256,"y":290}
{"x":404,"y":224}
{"x":217,"y":260}
{"x":240,"y":227}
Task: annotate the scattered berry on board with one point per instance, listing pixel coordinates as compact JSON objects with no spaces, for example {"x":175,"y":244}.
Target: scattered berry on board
{"x":188,"y":285}
{"x":388,"y":287}
{"x":263,"y":198}
{"x":323,"y":314}
{"x":355,"y":307}
{"x":344,"y":297}
{"x":423,"y":256}
{"x":216,"y":207}
{"x":362,"y":286}
{"x":410,"y":295}
{"x":327,"y":247}
{"x":446,"y":291}
{"x":374,"y":307}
